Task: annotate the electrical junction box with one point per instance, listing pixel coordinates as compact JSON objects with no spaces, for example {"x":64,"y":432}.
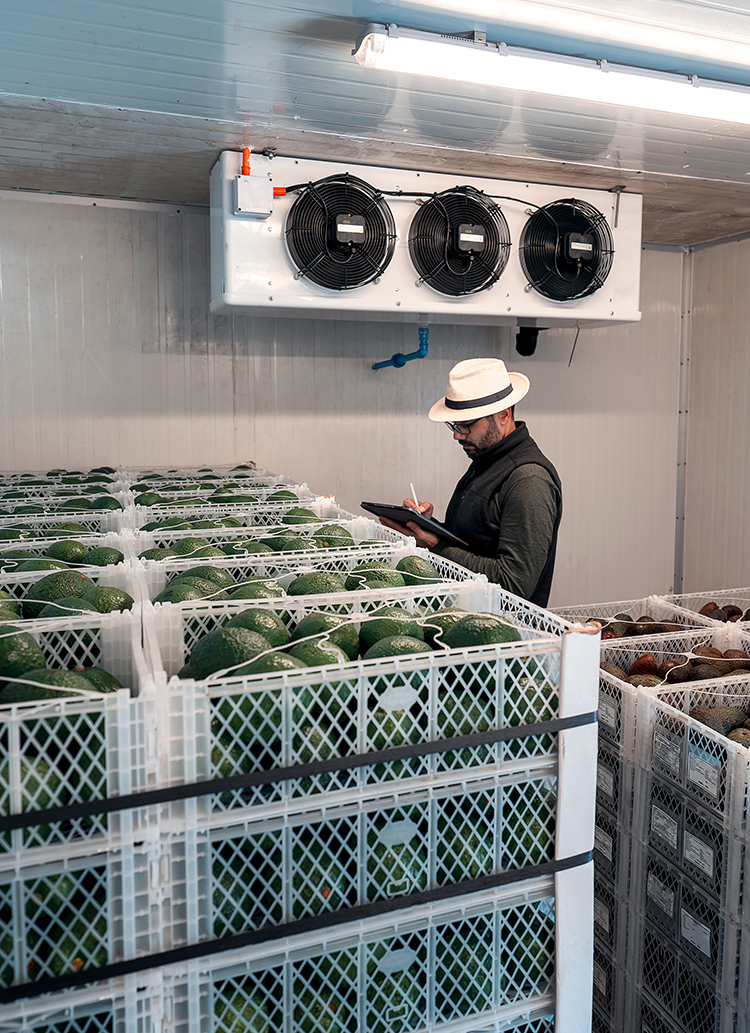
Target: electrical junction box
{"x":253,"y":196}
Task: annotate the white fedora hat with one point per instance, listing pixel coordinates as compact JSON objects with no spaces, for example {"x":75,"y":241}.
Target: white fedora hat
{"x":476,"y":388}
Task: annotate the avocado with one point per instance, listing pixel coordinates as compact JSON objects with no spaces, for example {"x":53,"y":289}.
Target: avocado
{"x":264,"y":622}
{"x":643,"y":664}
{"x":187,"y":546}
{"x":103,"y":556}
{"x":27,"y":566}
{"x":318,"y":653}
{"x":650,"y":681}
{"x":69,"y":550}
{"x":217,"y":575}
{"x":245,"y":1011}
{"x":160,"y":553}
{"x":226,"y":648}
{"x":101,"y":680}
{"x":316,"y":582}
{"x":373,"y":574}
{"x":388,"y":621}
{"x":300,"y":515}
{"x":703,"y":672}
{"x":269,"y":663}
{"x":68,"y":606}
{"x":416,"y":570}
{"x":396,"y":645}
{"x":183,"y":591}
{"x":614,"y":670}
{"x":106,"y":502}
{"x":479,"y":629}
{"x":722,"y":719}
{"x":740,"y":735}
{"x":674,"y":669}
{"x":436,"y":624}
{"x":63,"y":583}
{"x":333,"y":536}
{"x":208,"y":589}
{"x":331,"y":626}
{"x":258,"y":588}
{"x":107,"y":599}
{"x":248,"y":547}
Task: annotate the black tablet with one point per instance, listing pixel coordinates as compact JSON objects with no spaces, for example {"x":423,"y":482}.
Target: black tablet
{"x":402,"y":514}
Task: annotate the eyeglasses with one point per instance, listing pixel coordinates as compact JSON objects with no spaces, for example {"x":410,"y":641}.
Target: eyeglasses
{"x":462,"y":428}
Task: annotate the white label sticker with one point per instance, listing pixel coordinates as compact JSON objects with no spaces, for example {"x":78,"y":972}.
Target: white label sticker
{"x":666,"y":752}
{"x":605,"y":781}
{"x":603,"y":843}
{"x":695,"y":932}
{"x":663,"y":826}
{"x":661,"y":895}
{"x":601,"y":915}
{"x":705,"y":773}
{"x":607,"y":712}
{"x":600,"y":979}
{"x":699,"y":854}
{"x":473,"y":237}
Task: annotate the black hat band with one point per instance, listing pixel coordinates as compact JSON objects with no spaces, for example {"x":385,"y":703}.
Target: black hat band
{"x":475,"y":403}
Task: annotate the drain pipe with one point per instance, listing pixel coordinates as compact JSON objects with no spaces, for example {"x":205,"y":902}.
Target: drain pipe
{"x":399,"y":359}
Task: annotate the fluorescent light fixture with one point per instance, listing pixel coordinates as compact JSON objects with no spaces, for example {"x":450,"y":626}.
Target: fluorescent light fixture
{"x":470,"y":58}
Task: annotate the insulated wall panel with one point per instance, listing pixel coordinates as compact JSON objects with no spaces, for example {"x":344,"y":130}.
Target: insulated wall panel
{"x":108,"y":354}
{"x":717,"y":547}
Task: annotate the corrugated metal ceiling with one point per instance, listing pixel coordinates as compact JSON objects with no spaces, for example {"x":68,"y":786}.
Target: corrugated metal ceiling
{"x":125,"y":100}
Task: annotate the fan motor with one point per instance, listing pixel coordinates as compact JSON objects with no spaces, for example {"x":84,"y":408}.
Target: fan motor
{"x":340,"y":232}
{"x":459,"y":241}
{"x":566,"y":249}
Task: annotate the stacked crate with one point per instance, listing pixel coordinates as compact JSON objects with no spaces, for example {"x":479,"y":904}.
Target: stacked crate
{"x":683,"y":962}
{"x":392,"y":844}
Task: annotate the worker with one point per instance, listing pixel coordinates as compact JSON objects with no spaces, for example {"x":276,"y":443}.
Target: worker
{"x":507,"y":506}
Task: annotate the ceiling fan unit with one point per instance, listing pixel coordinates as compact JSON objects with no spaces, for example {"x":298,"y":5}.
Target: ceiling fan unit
{"x":361,"y":242}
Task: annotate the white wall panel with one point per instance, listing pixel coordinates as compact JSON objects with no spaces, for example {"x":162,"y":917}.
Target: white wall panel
{"x":108,"y":355}
{"x":717,"y":546}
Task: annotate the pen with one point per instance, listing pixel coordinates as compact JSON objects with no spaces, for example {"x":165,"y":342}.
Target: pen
{"x":414,"y":496}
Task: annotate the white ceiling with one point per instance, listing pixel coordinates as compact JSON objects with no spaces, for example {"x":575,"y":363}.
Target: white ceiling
{"x":122,"y":100}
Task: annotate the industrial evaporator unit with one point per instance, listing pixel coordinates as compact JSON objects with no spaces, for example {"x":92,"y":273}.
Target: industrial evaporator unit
{"x":293,"y":237}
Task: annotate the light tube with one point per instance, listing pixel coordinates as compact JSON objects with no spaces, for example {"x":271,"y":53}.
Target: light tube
{"x":392,"y":48}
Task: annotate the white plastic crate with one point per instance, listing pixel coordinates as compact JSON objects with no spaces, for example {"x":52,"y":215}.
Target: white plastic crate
{"x":290,"y":861}
{"x":98,"y":521}
{"x":486,"y":962}
{"x":129,"y":1004}
{"x":123,"y":541}
{"x":365,"y":533}
{"x":81,"y":747}
{"x":653,"y":606}
{"x":76,"y":913}
{"x":695,"y":601}
{"x":284,"y":567}
{"x":248,"y":513}
{"x":117,"y":575}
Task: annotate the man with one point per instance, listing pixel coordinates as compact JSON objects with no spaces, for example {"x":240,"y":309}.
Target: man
{"x":507,"y":506}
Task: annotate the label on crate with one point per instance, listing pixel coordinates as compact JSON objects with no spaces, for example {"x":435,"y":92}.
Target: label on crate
{"x":603,"y":843}
{"x":695,"y":932}
{"x":605,"y":781}
{"x":699,"y":854}
{"x":662,"y":895}
{"x":600,"y":979}
{"x":601,"y":915}
{"x":666,"y":752}
{"x":664,"y":826}
{"x":608,"y":713}
{"x":705,"y":772}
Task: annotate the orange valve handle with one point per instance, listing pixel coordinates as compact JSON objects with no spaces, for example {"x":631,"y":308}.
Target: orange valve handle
{"x":245,"y":161}
{"x":279,"y":191}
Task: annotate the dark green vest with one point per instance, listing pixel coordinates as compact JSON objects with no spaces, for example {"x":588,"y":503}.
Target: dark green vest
{"x":468,"y":510}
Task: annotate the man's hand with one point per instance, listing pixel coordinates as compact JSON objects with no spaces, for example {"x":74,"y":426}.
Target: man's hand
{"x":425,"y":539}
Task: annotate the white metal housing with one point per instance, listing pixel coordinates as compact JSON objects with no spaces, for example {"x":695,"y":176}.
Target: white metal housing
{"x":251,"y":267}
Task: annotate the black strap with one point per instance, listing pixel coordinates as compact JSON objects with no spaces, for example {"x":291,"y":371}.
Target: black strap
{"x":312,"y":923}
{"x":73,"y":811}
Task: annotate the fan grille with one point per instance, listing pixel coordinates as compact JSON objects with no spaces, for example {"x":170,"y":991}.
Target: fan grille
{"x":542,"y":249}
{"x":318,"y":250}
{"x":434,"y":241}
